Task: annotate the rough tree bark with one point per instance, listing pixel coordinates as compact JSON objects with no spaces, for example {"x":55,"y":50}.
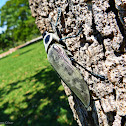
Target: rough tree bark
{"x":101,"y":48}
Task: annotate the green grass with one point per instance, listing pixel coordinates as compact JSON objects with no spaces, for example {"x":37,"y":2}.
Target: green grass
{"x":30,"y":91}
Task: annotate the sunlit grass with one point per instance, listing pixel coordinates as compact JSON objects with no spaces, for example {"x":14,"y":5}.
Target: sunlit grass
{"x":30,"y":91}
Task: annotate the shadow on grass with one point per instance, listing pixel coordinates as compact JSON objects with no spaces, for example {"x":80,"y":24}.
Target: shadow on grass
{"x":17,"y":54}
{"x":25,"y":51}
{"x":4,"y":57}
{"x":44,"y":105}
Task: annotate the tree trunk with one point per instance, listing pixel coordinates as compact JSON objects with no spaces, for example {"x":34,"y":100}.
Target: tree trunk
{"x":101,"y":48}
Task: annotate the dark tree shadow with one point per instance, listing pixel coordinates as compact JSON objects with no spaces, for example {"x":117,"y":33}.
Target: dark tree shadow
{"x":25,"y":51}
{"x":17,"y":54}
{"x":4,"y":57}
{"x":45,"y":106}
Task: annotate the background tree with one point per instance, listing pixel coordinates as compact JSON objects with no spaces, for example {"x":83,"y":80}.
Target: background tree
{"x":5,"y":41}
{"x":20,"y":24}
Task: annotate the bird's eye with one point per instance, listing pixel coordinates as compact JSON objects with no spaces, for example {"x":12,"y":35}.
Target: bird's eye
{"x":47,"y":39}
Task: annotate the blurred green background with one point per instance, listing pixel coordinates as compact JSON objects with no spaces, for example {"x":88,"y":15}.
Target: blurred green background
{"x":30,"y":90}
{"x":15,"y":16}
